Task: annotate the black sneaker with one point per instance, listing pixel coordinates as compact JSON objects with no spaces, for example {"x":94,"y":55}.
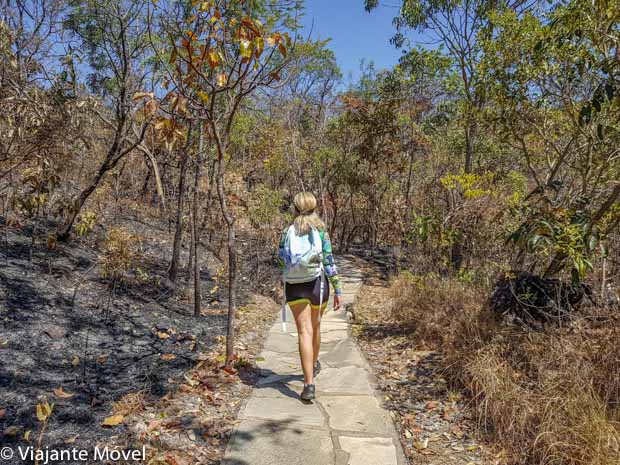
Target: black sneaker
{"x":317,"y":369}
{"x":308,"y":393}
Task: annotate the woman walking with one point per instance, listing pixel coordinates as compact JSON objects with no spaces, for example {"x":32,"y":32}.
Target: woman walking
{"x":306,"y":258}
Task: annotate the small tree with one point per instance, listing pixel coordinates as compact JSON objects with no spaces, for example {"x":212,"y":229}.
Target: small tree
{"x":112,"y":34}
{"x":224,"y":52}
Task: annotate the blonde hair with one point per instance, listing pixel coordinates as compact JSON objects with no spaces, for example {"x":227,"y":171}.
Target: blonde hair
{"x":307,"y":218}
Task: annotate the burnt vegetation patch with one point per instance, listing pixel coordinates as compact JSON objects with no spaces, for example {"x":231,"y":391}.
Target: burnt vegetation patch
{"x":65,"y":325}
{"x":534,"y":300}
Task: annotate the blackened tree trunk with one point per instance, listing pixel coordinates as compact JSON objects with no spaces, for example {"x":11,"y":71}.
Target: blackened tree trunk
{"x":195,"y":232}
{"x":173,"y":271}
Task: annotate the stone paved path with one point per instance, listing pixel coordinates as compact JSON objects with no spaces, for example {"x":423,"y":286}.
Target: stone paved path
{"x":344,"y":426}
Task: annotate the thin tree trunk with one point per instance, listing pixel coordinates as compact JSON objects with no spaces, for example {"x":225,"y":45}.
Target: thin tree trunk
{"x":192,"y":243}
{"x":178,"y":234}
{"x":195,"y":237}
{"x":469,"y":147}
{"x":408,"y":189}
{"x":65,"y":230}
{"x":232,"y":264}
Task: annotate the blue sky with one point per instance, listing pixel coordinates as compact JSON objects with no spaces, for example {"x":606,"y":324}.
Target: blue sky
{"x":355,"y":34}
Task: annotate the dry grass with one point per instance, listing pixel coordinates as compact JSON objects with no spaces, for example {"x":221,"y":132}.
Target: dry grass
{"x":549,"y":397}
{"x":129,"y":404}
{"x":429,"y":305}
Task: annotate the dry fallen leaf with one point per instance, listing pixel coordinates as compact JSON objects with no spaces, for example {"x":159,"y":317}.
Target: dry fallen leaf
{"x":72,"y":439}
{"x":12,"y":431}
{"x":62,"y":394}
{"x":75,"y":361}
{"x":432,"y":404}
{"x":27,"y":435}
{"x":155,"y":424}
{"x":176,"y":460}
{"x":113,"y":420}
{"x":162,"y":335}
{"x":421,"y":445}
{"x":230,"y":370}
{"x":168,"y":357}
{"x":2,"y":413}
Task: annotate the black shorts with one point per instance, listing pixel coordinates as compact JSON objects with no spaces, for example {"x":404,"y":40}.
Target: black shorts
{"x":309,"y":292}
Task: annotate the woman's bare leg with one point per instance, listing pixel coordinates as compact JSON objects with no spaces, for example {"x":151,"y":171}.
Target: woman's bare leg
{"x":316,"y":330}
{"x":303,"y":320}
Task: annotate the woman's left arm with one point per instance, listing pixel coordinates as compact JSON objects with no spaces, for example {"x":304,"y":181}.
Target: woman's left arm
{"x":330,"y":265}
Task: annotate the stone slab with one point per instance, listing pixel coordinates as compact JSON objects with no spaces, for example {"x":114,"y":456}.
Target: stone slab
{"x":282,"y":408}
{"x":274,"y":378}
{"x":272,"y":443}
{"x":333,"y":324}
{"x":335,"y":335}
{"x":290,"y":387}
{"x":361,"y":414}
{"x":346,"y":380}
{"x":340,"y":315}
{"x":344,"y":353}
{"x":275,"y":363}
{"x":369,"y":451}
{"x":281,"y":342}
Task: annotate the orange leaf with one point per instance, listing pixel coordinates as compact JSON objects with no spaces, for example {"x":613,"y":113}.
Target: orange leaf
{"x":62,"y":394}
{"x":168,"y":357}
{"x":230,"y":370}
{"x":221,"y":79}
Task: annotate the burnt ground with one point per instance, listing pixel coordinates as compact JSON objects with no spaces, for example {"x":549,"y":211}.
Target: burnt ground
{"x":95,"y":344}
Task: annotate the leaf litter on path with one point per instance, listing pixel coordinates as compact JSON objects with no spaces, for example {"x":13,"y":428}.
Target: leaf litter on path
{"x":433,"y":421}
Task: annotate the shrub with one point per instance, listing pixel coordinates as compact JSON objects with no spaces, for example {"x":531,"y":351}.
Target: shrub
{"x":548,"y":397}
{"x":429,"y":305}
{"x":121,"y":254}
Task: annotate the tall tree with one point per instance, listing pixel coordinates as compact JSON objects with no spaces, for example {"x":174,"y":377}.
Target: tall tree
{"x":456,"y":26}
{"x":223,"y":54}
{"x":112,"y":35}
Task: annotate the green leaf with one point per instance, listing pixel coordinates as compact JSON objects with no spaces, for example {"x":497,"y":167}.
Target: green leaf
{"x":259,"y":44}
{"x":245,"y":48}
